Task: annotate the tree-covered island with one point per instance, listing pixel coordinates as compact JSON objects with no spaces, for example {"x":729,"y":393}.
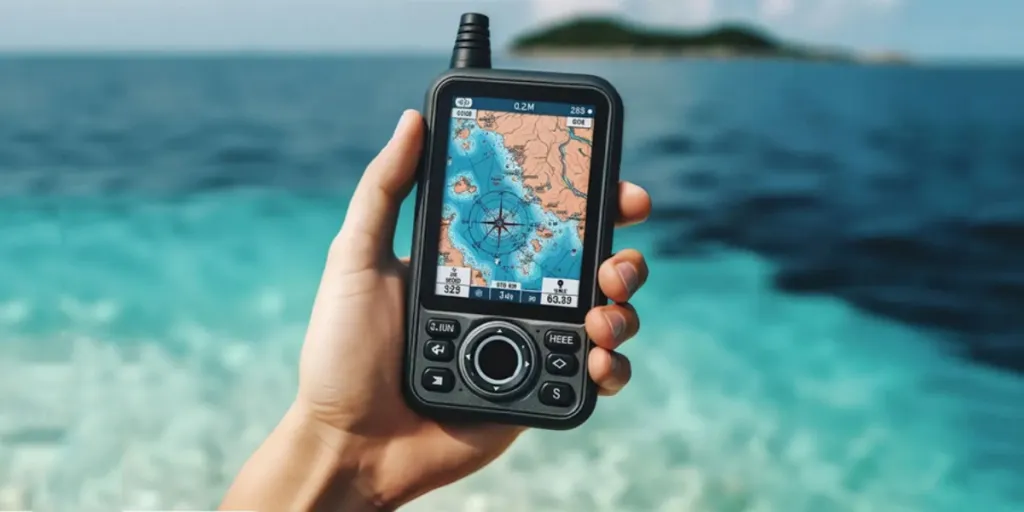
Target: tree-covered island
{"x":607,"y":37}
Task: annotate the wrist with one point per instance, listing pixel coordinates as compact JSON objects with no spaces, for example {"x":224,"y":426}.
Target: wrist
{"x":306,"y":465}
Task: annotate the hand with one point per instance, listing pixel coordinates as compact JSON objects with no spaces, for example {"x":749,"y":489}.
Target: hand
{"x":351,"y":364}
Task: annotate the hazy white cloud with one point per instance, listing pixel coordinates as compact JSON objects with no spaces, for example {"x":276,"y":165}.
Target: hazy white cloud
{"x":682,"y":11}
{"x":774,"y":9}
{"x":553,"y":10}
{"x":366,"y":24}
{"x":828,"y":13}
{"x":678,"y":12}
{"x":823,"y":13}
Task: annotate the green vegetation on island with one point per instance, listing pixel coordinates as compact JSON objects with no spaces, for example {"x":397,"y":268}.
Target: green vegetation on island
{"x":614,"y":37}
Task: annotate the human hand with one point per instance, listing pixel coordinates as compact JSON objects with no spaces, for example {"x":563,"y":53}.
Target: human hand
{"x":351,"y":367}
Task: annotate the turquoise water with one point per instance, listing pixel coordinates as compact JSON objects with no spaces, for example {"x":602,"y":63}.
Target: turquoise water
{"x":163,"y":224}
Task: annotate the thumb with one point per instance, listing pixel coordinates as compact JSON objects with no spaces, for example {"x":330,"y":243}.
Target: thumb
{"x":368,"y":231}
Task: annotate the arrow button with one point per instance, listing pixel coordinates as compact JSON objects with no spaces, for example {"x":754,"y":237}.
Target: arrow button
{"x":441,"y":380}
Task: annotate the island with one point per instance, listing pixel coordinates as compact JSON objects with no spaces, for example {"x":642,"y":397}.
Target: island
{"x":611,"y":37}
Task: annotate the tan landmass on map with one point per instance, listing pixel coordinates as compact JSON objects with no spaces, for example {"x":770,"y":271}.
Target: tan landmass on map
{"x":585,"y":133}
{"x":544,"y":232}
{"x":452,"y":257}
{"x":577,"y":157}
{"x":536,"y":143}
{"x":463,"y":134}
{"x":536,"y":245}
{"x":463,"y":185}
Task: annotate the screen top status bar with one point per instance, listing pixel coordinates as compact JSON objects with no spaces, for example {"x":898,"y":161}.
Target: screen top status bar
{"x":526,"y":107}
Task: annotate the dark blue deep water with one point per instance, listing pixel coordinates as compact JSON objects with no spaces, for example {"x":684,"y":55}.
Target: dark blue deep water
{"x":835,"y":319}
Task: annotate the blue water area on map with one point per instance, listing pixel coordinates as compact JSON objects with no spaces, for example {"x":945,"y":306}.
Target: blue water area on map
{"x":509,"y":251}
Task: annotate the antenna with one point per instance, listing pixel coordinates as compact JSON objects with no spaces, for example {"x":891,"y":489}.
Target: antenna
{"x":473,"y":42}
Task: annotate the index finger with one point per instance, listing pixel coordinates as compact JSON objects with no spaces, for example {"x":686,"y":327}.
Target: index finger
{"x":634,"y":204}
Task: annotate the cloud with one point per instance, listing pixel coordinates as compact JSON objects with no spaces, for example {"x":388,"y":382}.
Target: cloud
{"x":823,"y":13}
{"x":774,"y":9}
{"x":554,"y":10}
{"x":682,"y":11}
{"x":679,"y":12}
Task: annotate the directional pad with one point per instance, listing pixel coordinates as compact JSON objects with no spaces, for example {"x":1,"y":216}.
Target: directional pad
{"x":497,"y":359}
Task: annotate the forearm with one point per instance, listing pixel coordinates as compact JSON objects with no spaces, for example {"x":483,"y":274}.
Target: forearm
{"x":299,"y":468}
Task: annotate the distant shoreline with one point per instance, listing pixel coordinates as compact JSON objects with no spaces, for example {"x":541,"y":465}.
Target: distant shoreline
{"x":722,"y":53}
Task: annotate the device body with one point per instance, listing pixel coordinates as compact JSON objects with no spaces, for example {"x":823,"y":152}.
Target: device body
{"x":507,"y":242}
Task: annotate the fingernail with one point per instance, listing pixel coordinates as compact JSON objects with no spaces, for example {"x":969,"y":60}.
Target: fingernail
{"x":629,"y":276}
{"x":615,"y":362}
{"x":617,"y":323}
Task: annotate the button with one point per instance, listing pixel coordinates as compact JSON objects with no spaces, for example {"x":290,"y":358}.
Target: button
{"x":443,"y":328}
{"x":557,"y":394}
{"x":561,"y":364}
{"x":439,"y":350}
{"x":441,"y":380}
{"x":498,"y":360}
{"x":562,"y":341}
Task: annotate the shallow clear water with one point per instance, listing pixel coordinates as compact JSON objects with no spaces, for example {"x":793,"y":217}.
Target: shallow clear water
{"x":163,"y":224}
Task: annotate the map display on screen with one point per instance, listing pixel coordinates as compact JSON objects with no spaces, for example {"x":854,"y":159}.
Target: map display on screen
{"x":515,"y":201}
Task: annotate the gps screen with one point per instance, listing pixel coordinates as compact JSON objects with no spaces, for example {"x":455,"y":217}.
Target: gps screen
{"x":515,"y":201}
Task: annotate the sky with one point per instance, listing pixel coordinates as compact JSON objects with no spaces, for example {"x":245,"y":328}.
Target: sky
{"x":955,"y":29}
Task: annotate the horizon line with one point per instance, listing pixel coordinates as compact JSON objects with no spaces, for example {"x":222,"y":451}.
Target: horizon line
{"x":167,"y":53}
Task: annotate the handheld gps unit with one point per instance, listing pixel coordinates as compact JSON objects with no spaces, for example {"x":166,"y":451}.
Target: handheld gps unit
{"x":516,"y":201}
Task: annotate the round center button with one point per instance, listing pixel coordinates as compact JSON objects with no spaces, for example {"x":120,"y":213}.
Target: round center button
{"x":496,"y":360}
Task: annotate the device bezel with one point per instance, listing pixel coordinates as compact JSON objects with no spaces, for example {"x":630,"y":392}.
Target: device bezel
{"x":434,"y":181}
{"x":416,"y":312}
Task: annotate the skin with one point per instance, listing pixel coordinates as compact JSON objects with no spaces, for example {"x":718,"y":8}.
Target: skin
{"x":349,"y":442}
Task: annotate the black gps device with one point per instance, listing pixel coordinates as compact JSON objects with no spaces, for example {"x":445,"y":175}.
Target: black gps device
{"x":517,"y":197}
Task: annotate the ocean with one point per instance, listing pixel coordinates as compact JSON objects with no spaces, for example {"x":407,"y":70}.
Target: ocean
{"x":833,"y":322}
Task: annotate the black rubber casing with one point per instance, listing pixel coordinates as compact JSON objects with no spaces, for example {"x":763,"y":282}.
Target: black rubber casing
{"x":461,"y":405}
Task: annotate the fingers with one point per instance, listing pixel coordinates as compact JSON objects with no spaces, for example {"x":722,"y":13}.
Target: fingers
{"x":610,"y":326}
{"x":370,"y":221}
{"x":634,"y":204}
{"x":611,"y":371}
{"x":622,"y":275}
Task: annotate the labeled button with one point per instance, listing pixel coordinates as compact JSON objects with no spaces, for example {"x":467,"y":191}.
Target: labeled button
{"x":439,"y":350}
{"x":557,"y":394}
{"x":443,"y":328}
{"x":562,"y":341}
{"x":561,"y":364}
{"x":441,"y":380}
